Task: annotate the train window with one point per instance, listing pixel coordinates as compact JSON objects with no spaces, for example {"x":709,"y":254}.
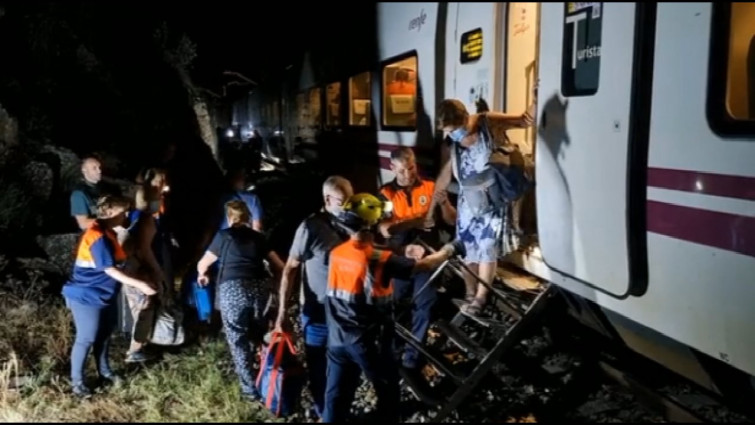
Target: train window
{"x":360,"y":94}
{"x":315,"y":107}
{"x":471,"y":46}
{"x":400,"y":93}
{"x":731,"y":86}
{"x":580,"y":60}
{"x":333,"y":100}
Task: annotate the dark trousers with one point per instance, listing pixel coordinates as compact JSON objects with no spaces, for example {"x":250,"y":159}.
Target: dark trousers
{"x":344,"y":366}
{"x":315,"y":348}
{"x":94,"y":325}
{"x":242,"y":306}
{"x":421,"y":310}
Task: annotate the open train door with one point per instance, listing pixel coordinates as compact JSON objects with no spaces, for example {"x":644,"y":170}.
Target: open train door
{"x":584,"y":144}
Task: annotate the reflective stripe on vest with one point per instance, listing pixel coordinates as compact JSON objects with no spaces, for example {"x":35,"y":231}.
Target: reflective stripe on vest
{"x":413,"y":204}
{"x":356,"y":272}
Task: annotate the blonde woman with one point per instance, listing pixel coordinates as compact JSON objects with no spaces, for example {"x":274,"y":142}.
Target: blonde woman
{"x":91,"y":293}
{"x":243,"y":287}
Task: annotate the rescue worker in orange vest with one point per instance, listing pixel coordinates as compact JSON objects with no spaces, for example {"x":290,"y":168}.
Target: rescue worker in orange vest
{"x":359,"y":313}
{"x":411,"y":197}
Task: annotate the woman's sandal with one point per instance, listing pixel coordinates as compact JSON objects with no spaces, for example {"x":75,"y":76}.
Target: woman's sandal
{"x":473,"y":308}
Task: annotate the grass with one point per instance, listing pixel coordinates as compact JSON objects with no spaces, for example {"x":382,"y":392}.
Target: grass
{"x":196,"y":383}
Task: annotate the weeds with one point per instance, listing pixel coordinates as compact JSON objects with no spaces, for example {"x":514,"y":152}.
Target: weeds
{"x":196,"y":384}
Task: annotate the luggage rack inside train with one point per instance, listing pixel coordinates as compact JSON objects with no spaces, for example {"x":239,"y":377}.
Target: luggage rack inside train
{"x":515,"y":301}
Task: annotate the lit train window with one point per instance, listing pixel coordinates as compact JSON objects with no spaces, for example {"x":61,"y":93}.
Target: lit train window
{"x":400,"y":93}
{"x":360,"y":96}
{"x":333,"y":100}
{"x":580,"y":61}
{"x":740,"y":78}
{"x":731,"y":86}
{"x":315,"y":107}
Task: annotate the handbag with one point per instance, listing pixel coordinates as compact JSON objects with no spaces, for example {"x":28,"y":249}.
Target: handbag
{"x":281,"y":376}
{"x":168,"y":326}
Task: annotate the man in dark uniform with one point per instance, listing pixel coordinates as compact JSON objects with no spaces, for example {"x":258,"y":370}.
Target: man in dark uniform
{"x":358,"y":305}
{"x":411,"y":197}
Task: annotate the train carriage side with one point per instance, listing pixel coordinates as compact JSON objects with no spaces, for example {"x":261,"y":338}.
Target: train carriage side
{"x":404,"y":87}
{"x":645,"y":147}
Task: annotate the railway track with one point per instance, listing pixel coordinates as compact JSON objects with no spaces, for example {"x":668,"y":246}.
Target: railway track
{"x":546,"y":381}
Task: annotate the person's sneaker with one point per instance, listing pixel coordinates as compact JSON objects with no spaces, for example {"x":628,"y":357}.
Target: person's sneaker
{"x":81,"y":391}
{"x":137,"y":357}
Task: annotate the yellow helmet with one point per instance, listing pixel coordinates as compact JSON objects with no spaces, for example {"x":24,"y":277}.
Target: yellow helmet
{"x":368,"y":208}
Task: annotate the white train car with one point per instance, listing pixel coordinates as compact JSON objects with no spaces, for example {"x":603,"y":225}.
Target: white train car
{"x":644,"y":151}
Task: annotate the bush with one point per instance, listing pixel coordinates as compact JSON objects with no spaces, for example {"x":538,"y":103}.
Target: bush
{"x":196,"y":385}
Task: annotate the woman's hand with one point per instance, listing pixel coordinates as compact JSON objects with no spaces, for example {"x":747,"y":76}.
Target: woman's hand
{"x":415,"y":252}
{"x":203,"y":280}
{"x":441,"y":197}
{"x":148,"y":290}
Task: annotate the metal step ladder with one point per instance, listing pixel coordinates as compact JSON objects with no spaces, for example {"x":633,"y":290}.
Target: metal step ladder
{"x":518,"y":304}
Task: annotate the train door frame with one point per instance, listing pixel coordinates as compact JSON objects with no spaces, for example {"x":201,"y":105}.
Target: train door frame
{"x":504,"y":36}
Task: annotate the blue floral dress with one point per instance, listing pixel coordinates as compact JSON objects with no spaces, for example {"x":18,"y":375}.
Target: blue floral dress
{"x":479,"y":233}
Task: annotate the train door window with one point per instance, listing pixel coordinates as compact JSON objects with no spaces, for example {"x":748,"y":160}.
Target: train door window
{"x":360,"y":94}
{"x":315,"y":107}
{"x":731,"y":98}
{"x":400,"y":93}
{"x":333,"y":100}
{"x":580,"y":61}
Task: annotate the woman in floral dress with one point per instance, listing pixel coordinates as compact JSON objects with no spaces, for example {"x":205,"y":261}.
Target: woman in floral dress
{"x":478,"y":228}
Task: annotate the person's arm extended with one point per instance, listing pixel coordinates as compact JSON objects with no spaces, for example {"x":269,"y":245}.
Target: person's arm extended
{"x":441,"y":184}
{"x":499,"y":121}
{"x":389,"y":228}
{"x":403,"y":267}
{"x":287,"y":283}
{"x":299,"y":252}
{"x":435,"y":259}
{"x":207,"y":260}
{"x":123,"y":278}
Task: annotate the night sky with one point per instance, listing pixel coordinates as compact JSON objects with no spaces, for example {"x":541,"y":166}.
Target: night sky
{"x":95,"y":65}
{"x":248,"y":37}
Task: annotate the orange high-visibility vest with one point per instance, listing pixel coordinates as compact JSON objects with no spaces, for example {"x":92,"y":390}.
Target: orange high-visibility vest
{"x":414,"y":204}
{"x":356,"y":272}
{"x":84,"y":258}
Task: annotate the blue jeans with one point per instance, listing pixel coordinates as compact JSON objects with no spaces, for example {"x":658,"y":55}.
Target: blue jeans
{"x":344,"y":366}
{"x":421,"y":311}
{"x":94,"y":325}
{"x":315,"y":348}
